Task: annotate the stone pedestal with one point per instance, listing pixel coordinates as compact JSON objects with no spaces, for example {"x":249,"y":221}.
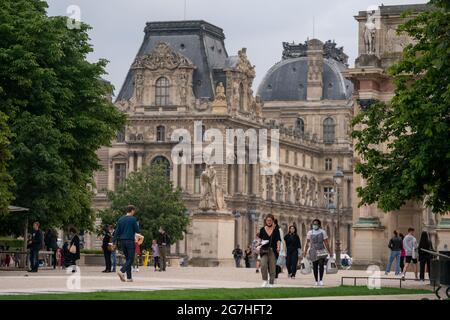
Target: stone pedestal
{"x":443,"y":234}
{"x":213,"y":242}
{"x":369,"y":243}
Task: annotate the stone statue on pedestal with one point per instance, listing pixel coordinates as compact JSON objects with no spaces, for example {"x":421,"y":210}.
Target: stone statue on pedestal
{"x":212,"y":197}
{"x":369,"y":33}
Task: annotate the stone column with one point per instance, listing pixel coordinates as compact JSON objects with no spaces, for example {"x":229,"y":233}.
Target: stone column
{"x":241,"y":178}
{"x":140,"y":156}
{"x":130,"y":162}
{"x":183,"y":173}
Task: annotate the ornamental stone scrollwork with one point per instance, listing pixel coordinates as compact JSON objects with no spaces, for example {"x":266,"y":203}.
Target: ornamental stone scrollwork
{"x":162,"y":57}
{"x":244,"y":64}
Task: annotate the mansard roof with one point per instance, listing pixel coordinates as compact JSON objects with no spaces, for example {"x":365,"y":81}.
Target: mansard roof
{"x":199,"y":41}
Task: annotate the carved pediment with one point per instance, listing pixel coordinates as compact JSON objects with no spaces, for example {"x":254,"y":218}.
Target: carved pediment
{"x":119,"y":156}
{"x":162,"y":57}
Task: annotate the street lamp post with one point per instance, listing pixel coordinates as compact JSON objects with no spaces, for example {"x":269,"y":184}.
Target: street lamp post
{"x":338,"y":177}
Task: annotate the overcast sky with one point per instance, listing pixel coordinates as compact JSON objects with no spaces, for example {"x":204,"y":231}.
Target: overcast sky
{"x":259,"y":25}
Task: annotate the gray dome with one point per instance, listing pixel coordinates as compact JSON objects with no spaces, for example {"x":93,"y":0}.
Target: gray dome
{"x":287,"y":81}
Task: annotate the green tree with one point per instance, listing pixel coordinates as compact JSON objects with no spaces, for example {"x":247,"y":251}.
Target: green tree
{"x":58,"y":112}
{"x":414,"y":128}
{"x":5,"y":155}
{"x":157,"y":203}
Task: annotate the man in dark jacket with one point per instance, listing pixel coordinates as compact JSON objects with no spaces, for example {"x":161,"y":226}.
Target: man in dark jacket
{"x":127,"y":227}
{"x":396,"y":245}
{"x":36,"y":244}
{"x":163,"y":244}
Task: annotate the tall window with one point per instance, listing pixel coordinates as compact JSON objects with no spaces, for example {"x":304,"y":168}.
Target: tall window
{"x":120,"y":136}
{"x":328,"y":164}
{"x":241,"y":96}
{"x":328,"y":195}
{"x":198,"y":170}
{"x":160,"y":133}
{"x":287,"y":156}
{"x":300,"y":125}
{"x":162,"y":91}
{"x":120,"y":172}
{"x":328,"y":130}
{"x":160,"y":160}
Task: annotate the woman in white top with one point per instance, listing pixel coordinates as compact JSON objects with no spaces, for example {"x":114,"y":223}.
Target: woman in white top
{"x":316,"y":242}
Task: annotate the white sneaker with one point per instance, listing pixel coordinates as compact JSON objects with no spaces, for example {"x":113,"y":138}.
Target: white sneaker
{"x":316,"y":284}
{"x":270,"y":285}
{"x":321,"y":283}
{"x":264,"y":284}
{"x":137,"y":270}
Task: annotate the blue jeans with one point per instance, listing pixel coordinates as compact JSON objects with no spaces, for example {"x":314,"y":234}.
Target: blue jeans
{"x":128,"y":249}
{"x":34,"y":259}
{"x":394,"y":255}
{"x":113,"y":260}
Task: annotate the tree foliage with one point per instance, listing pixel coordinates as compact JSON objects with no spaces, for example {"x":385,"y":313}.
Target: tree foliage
{"x":57,"y":109}
{"x":414,"y":128}
{"x":157,"y":203}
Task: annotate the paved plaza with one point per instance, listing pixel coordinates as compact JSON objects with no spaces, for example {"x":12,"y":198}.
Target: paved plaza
{"x":91,"y":279}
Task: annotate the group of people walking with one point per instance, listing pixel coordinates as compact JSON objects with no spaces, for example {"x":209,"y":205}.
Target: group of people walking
{"x":126,"y":237}
{"x":406,"y":251}
{"x":272,"y":247}
{"x":67,"y":256}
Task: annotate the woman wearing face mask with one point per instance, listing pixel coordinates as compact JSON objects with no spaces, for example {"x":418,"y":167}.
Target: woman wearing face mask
{"x":316,"y":242}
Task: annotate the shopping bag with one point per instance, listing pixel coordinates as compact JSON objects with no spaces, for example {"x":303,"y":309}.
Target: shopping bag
{"x":331,"y":266}
{"x":281,"y":261}
{"x":305,"y":266}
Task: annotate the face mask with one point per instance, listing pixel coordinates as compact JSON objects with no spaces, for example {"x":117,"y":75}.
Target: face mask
{"x":315,"y":226}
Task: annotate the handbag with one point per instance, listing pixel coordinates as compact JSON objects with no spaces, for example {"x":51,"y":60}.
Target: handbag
{"x":73,"y":249}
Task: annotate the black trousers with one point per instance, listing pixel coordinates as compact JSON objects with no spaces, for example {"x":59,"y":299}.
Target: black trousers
{"x":107,"y":255}
{"x":423,"y":263}
{"x":318,"y":269}
{"x":291,"y":262}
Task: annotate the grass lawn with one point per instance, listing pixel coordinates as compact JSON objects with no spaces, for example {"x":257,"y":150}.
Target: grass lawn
{"x":220,"y":294}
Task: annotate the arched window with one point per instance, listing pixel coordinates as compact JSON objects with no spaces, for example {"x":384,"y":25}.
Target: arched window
{"x":162,"y":92}
{"x":163,"y":160}
{"x":328,"y":130}
{"x":160,"y":133}
{"x":300,"y":125}
{"x":241,"y":97}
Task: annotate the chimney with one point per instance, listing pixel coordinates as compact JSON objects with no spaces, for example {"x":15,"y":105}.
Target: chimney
{"x":315,"y":69}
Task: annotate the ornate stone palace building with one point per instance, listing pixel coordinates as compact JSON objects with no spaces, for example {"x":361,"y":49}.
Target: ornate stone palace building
{"x":183,"y":74}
